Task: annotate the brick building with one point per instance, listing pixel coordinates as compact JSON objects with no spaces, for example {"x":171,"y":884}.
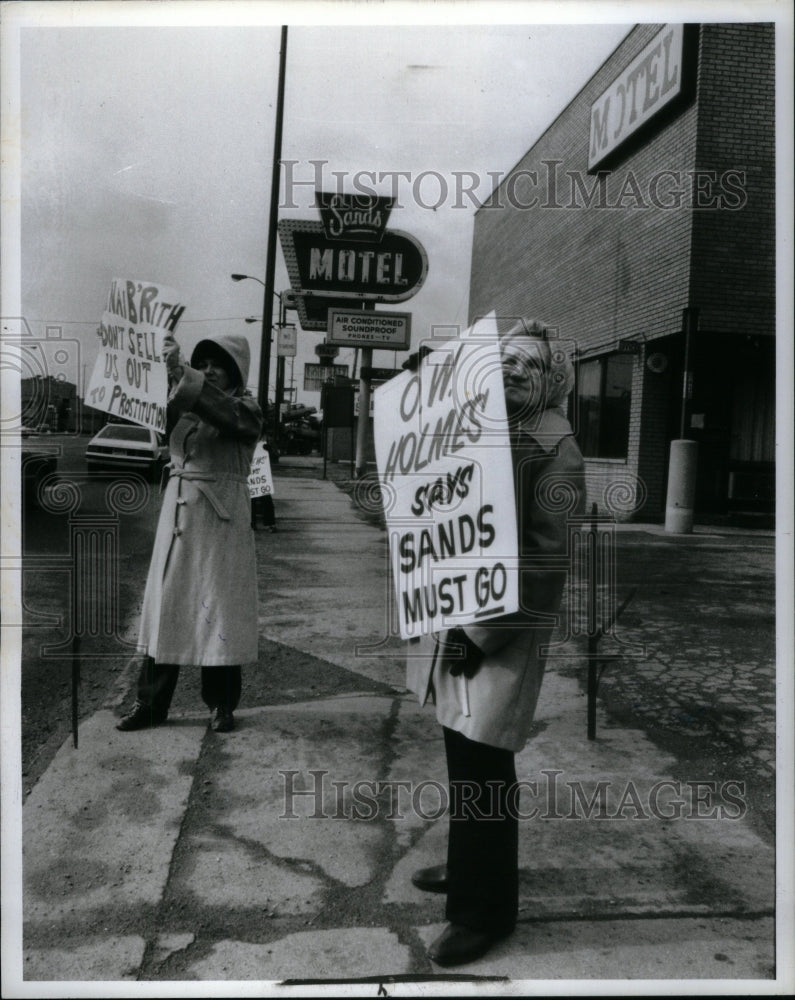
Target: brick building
{"x":641,"y":225}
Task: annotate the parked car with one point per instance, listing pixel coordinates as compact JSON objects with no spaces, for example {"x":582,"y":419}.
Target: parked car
{"x":299,"y":430}
{"x":127,"y":447}
{"x":38,"y":461}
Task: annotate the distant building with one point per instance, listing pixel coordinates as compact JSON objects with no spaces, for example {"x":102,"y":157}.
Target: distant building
{"x":48,"y":402}
{"x":92,"y":420}
{"x":642,"y":225}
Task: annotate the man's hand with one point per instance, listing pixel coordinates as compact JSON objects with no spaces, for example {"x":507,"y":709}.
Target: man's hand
{"x":465,"y":661}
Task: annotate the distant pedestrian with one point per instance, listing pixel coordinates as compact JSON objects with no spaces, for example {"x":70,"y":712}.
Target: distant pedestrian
{"x":485,"y":679}
{"x":262,"y":507}
{"x":200,"y":603}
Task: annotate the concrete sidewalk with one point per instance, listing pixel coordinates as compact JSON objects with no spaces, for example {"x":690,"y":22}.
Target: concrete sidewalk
{"x":283,"y":851}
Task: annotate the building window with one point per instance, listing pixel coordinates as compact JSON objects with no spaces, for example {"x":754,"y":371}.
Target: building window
{"x":604,"y":394}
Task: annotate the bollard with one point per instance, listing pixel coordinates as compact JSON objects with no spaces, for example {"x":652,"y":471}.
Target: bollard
{"x":681,"y":487}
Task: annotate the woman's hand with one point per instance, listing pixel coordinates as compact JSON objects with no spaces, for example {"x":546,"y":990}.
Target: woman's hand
{"x":172,"y":358}
{"x":464,"y":661}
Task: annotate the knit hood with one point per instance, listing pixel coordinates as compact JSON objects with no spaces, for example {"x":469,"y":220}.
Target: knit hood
{"x":559,"y":371}
{"x":234,"y":346}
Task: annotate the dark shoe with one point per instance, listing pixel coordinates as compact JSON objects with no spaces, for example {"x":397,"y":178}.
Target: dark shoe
{"x":140,"y":717}
{"x":457,"y":945}
{"x":223,"y":721}
{"x":433,"y":879}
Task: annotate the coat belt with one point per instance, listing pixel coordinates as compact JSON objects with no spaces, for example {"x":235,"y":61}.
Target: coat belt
{"x":201,"y":478}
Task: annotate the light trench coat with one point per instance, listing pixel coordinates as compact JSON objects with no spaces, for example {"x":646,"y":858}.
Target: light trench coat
{"x":200,"y":603}
{"x":497,"y":705}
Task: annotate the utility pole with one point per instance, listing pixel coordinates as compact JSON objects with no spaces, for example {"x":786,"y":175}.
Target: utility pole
{"x":270,"y":266}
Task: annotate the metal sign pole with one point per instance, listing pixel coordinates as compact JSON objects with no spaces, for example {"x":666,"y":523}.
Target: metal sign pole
{"x":364,"y":413}
{"x":350,"y":431}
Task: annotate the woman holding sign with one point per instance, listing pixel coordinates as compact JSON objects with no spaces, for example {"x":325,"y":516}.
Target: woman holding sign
{"x":498,"y":663}
{"x":200,"y":603}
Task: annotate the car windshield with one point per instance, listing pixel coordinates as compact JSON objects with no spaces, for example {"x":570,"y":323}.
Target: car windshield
{"x":124,"y":433}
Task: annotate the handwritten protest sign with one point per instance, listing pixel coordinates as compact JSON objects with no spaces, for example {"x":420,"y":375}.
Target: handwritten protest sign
{"x":260,"y":480}
{"x":129,"y":378}
{"x":444,"y":463}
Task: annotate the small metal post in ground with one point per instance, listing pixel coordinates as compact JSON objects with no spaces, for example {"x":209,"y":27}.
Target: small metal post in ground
{"x":75,"y":685}
{"x":597,"y":664}
{"x":593,"y":639}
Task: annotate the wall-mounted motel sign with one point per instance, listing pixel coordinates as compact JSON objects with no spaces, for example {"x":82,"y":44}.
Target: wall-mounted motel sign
{"x":656,"y":76}
{"x":390,"y":270}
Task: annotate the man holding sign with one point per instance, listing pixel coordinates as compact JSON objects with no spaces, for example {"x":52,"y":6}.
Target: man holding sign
{"x":480,"y":603}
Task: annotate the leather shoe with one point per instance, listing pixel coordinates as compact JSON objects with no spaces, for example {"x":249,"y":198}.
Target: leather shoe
{"x":457,"y":945}
{"x":433,"y":879}
{"x":140,"y":717}
{"x":222,"y":721}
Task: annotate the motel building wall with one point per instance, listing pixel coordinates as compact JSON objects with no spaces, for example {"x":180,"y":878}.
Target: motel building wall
{"x":673,"y":229}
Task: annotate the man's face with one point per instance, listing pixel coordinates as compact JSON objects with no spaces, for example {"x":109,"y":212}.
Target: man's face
{"x":523,"y":375}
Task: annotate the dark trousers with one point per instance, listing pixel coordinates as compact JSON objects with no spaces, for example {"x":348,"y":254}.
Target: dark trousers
{"x":221,"y":686}
{"x":483,"y":846}
{"x":264,"y":509}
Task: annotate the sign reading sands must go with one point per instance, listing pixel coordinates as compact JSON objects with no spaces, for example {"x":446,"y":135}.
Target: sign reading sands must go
{"x":260,"y":478}
{"x":446,"y":477}
{"x":648,"y":84}
{"x":390,"y":270}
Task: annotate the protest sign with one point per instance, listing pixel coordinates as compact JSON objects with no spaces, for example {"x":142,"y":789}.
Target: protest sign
{"x":129,"y":378}
{"x":260,"y":480}
{"x":446,"y":476}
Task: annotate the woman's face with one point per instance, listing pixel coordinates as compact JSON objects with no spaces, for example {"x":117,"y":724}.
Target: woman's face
{"x":523,"y":375}
{"x":214,"y":373}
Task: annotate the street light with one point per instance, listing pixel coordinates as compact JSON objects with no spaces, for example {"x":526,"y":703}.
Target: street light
{"x":241,"y":277}
{"x":265,"y":348}
{"x":265,"y":353}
